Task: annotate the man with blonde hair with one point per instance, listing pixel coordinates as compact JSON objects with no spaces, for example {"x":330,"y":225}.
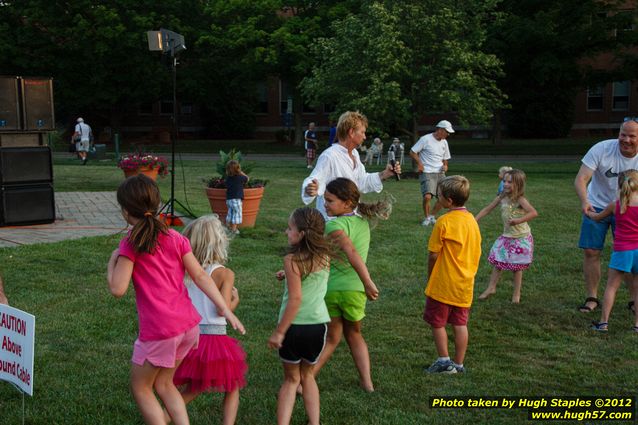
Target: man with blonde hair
{"x":342,"y":160}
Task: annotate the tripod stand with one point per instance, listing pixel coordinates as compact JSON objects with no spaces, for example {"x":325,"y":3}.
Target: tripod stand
{"x":167,"y":212}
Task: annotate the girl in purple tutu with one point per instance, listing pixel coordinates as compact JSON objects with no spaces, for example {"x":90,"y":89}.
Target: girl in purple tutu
{"x":514,"y":249}
{"x":218,"y":363}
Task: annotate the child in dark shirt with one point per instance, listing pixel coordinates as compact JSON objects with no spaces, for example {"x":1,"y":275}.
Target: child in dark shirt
{"x":235,"y":181}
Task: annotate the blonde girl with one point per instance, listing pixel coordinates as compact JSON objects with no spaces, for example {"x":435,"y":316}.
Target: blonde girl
{"x":301,"y":332}
{"x":155,"y":257}
{"x":218,"y":363}
{"x":624,"y":258}
{"x":514,"y":249}
{"x":350,"y":283}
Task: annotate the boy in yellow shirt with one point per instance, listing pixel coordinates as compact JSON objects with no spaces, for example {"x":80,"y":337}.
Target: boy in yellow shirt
{"x":454,"y":254}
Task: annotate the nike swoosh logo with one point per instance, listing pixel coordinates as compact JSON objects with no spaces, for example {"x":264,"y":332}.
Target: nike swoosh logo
{"x":610,"y":174}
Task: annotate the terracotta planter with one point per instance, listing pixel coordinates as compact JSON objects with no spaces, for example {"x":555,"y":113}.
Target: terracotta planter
{"x":147,"y":171}
{"x":250,"y":205}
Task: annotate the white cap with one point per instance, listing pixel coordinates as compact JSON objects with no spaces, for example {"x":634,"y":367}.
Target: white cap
{"x":446,"y":125}
{"x":80,"y":120}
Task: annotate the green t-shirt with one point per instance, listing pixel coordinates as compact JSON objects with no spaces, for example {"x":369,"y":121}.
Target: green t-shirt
{"x":343,"y":277}
{"x":313,"y":308}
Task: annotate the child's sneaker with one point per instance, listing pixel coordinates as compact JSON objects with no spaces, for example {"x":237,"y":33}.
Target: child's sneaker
{"x":599,"y":326}
{"x":442,"y":366}
{"x":459,"y":368}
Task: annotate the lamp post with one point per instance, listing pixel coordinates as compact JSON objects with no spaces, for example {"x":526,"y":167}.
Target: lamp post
{"x":171,"y":43}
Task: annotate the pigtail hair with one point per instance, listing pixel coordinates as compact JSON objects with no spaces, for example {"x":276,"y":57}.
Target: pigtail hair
{"x":628,"y":182}
{"x":375,"y":211}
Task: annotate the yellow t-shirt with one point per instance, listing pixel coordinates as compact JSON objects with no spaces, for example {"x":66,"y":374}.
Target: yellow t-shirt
{"x":457,"y":239}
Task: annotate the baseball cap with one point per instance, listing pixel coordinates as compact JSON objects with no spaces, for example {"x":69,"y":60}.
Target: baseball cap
{"x":446,"y":125}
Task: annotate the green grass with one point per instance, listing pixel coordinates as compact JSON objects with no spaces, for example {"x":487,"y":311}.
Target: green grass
{"x":542,"y":347}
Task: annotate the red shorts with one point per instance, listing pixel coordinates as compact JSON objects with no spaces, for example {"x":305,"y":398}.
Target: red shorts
{"x":438,"y":314}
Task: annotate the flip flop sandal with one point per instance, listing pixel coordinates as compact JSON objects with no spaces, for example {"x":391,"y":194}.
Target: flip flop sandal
{"x":599,"y":326}
{"x":585,"y":308}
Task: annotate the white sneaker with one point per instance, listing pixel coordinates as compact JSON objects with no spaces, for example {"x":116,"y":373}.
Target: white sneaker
{"x":425,"y":222}
{"x":310,"y":166}
{"x":432,"y":219}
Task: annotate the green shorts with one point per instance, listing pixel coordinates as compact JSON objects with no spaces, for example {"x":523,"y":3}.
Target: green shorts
{"x":351,"y":305}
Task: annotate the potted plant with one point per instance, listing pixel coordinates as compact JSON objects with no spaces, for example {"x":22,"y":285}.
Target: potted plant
{"x":216,"y":190}
{"x":143,"y":163}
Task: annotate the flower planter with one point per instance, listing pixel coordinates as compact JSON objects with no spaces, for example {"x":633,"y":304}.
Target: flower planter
{"x":250,"y":205}
{"x":147,"y":171}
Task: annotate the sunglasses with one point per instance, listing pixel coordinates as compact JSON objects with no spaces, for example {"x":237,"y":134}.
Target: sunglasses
{"x":630,"y":119}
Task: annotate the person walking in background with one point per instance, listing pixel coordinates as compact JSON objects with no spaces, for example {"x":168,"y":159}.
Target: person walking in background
{"x":624,"y":258}
{"x":83,"y":136}
{"x":342,"y":160}
{"x":350,"y":284}
{"x":235,"y":181}
{"x":155,"y":258}
{"x":454,"y":254}
{"x":332,"y":135}
{"x":300,"y":335}
{"x":431,"y":153}
{"x":514,"y":249}
{"x":501,"y":175}
{"x":596,"y":187}
{"x":311,"y":144}
{"x":218,"y":363}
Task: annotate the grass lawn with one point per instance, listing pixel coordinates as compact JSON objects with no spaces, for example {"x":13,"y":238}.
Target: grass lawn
{"x":542,"y":347}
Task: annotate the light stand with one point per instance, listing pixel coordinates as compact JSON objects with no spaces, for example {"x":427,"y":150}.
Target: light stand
{"x":171,"y":43}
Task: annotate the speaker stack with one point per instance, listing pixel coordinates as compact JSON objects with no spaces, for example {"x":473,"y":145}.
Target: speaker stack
{"x":26,"y":171}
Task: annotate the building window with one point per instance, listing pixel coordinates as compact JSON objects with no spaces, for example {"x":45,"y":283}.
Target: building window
{"x":145,"y":109}
{"x":620,"y":99}
{"x":262,"y":98}
{"x":595,"y":98}
{"x":285,"y":93}
{"x":166,"y":107}
{"x":186,"y":108}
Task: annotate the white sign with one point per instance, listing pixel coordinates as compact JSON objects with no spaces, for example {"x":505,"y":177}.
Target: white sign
{"x":17,"y":338}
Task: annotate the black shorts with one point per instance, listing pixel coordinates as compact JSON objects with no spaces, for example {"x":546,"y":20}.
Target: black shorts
{"x":303,"y":342}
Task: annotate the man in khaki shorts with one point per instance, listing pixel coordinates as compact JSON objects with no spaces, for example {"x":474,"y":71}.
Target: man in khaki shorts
{"x":431,"y":153}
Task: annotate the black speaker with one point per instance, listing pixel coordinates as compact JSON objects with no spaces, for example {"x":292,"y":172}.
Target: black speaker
{"x":25,"y":165}
{"x":9,"y":104}
{"x":27,"y":204}
{"x":37,"y":96}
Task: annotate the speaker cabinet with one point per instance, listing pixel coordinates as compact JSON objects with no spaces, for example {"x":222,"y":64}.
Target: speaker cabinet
{"x":27,"y":204}
{"x":9,"y":104}
{"x":17,"y":139}
{"x":25,"y":165}
{"x":38,"y":104}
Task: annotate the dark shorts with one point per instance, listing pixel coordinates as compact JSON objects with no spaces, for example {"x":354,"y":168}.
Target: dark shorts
{"x":438,"y":314}
{"x":303,"y":342}
{"x":593,"y":233}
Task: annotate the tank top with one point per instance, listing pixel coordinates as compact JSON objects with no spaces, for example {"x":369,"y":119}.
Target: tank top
{"x":626,"y":236}
{"x":313,"y":308}
{"x":509,"y":211}
{"x":202,"y":303}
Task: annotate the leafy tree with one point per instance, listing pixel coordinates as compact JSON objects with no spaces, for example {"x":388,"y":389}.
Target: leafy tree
{"x":398,"y":60}
{"x":547,"y":48}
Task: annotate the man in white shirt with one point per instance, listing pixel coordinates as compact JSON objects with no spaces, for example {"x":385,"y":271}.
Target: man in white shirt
{"x":431,"y":153}
{"x":82,"y":136}
{"x":342,"y":160}
{"x":600,"y":168}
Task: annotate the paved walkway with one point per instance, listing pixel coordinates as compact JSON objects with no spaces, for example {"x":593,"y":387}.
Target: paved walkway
{"x":78,"y":214}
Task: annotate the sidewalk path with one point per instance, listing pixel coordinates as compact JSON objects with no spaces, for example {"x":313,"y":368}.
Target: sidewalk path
{"x":78,"y":214}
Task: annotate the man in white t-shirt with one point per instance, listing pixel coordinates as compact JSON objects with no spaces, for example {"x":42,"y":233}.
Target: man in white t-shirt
{"x":600,"y":168}
{"x":431,"y":153}
{"x":82,"y":137}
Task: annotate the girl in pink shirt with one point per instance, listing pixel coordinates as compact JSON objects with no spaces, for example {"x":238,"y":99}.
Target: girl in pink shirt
{"x":155,"y":257}
{"x":624,"y":258}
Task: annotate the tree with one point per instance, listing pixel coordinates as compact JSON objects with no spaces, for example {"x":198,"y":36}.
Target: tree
{"x":398,"y":60}
{"x":545,"y":46}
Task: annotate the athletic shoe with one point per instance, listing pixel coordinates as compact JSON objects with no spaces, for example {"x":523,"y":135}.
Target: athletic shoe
{"x":442,"y":366}
{"x":432,"y":219}
{"x":459,"y":368}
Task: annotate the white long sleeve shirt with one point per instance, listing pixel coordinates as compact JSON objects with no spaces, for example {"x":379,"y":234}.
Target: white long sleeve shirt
{"x":335,"y":162}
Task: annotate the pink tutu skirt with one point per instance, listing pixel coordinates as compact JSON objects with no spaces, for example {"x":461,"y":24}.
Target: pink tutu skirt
{"x":217,"y":364}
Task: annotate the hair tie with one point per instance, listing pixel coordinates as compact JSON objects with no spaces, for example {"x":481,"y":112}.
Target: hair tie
{"x":148,"y":214}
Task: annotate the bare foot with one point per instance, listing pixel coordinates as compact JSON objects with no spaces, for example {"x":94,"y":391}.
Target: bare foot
{"x":516,"y":300}
{"x":486,"y":294}
{"x":367,"y":388}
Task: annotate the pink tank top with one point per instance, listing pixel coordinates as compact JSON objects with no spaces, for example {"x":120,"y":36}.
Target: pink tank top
{"x":626,"y":234}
